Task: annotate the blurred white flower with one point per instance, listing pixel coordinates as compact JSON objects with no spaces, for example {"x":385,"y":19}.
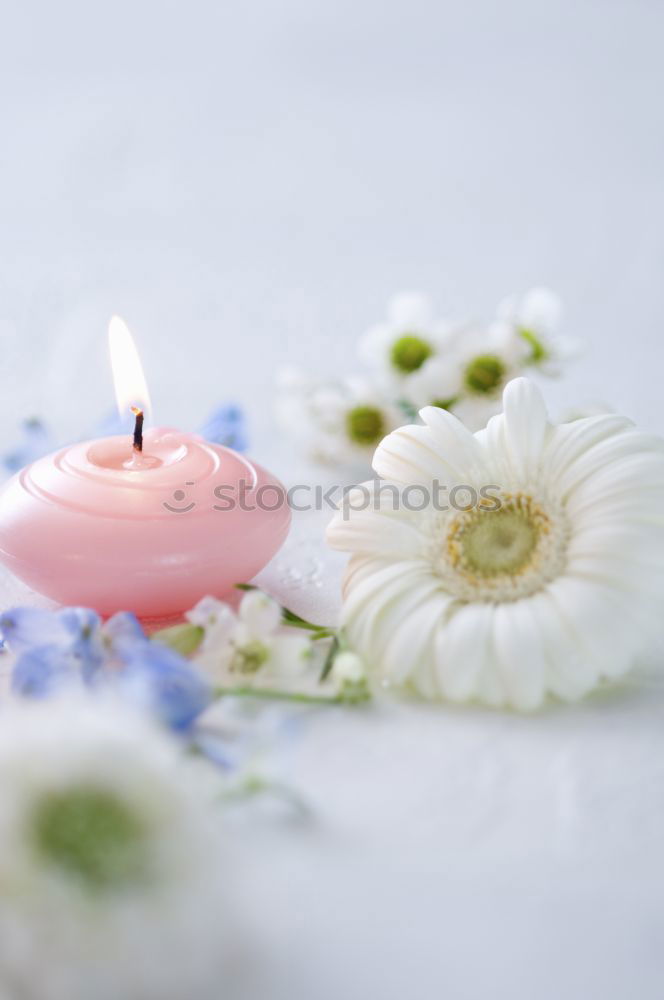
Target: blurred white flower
{"x":218,"y":620}
{"x":533,"y":320}
{"x":505,"y":604}
{"x":250,"y":645}
{"x":336,"y":422}
{"x":350,"y":678}
{"x":415,"y":361}
{"x":408,"y":338}
{"x":110,"y":875}
{"x":348,"y":667}
{"x":470,"y":377}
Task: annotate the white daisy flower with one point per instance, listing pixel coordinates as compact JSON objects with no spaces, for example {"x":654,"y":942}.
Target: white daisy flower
{"x":409,"y":338}
{"x":249,"y":645}
{"x":469,"y":378}
{"x":336,"y":422}
{"x":550,"y":581}
{"x":109,"y":867}
{"x":533,"y":320}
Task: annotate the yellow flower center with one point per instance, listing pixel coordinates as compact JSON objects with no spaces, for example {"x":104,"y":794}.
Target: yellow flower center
{"x":503,"y":554}
{"x":365,"y":425}
{"x":410,"y":352}
{"x":484,"y":374}
{"x":91,"y":835}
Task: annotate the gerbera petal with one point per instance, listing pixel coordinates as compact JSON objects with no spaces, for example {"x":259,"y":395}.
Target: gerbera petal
{"x":519,"y":652}
{"x":409,"y":645}
{"x":373,"y":519}
{"x":585,"y":606}
{"x":526,"y":424}
{"x":568,"y":443}
{"x":569,"y":671}
{"x":369,"y":531}
{"x":412,"y":455}
{"x":635,"y":473}
{"x":609,"y":451}
{"x":455,"y":443}
{"x":462,"y":650}
{"x":368,"y":613}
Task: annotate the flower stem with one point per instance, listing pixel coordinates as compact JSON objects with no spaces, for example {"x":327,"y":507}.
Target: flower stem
{"x":277,"y":695}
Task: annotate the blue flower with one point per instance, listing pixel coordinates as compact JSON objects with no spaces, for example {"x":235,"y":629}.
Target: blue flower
{"x":71,"y":646}
{"x":43,"y":670}
{"x":73,"y":635}
{"x":24,"y":628}
{"x":35,"y":442}
{"x":227,"y":426}
{"x":162,"y":681}
{"x":84,"y":632}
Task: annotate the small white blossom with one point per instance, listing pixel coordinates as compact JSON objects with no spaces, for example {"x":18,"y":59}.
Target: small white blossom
{"x":468,"y":380}
{"x":349,"y":668}
{"x":532,"y":321}
{"x":399,"y":347}
{"x":250,"y":644}
{"x":217,"y":619}
{"x":337,"y":423}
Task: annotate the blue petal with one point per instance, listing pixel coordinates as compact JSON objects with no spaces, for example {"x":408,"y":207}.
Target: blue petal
{"x":227,"y":426}
{"x":23,"y":628}
{"x":36,"y":441}
{"x":162,"y":681}
{"x":84,"y":628}
{"x":122,"y":632}
{"x":80,"y":622}
{"x":42,"y":670}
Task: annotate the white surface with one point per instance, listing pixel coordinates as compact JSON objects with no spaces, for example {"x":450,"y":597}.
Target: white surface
{"x":247,"y":184}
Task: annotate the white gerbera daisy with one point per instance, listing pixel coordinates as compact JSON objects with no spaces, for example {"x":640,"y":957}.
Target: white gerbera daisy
{"x":533,"y":320}
{"x":109,"y":867}
{"x":403,"y":344}
{"x":551,"y":585}
{"x":336,"y":422}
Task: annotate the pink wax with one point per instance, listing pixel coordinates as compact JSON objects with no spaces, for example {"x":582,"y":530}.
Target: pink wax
{"x":153,"y":532}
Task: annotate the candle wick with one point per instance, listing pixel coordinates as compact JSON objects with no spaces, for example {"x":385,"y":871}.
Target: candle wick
{"x":138,"y":429}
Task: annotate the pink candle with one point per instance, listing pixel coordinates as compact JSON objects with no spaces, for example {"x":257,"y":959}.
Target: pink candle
{"x":105,"y":525}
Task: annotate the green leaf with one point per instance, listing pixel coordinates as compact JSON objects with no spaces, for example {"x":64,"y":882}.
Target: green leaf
{"x":184,"y":639}
{"x":293,"y":620}
{"x":329,"y":659}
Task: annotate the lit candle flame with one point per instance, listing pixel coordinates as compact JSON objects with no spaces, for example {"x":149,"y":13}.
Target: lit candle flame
{"x":131,"y":390}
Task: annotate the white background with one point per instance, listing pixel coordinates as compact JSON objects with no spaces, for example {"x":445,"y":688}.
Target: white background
{"x":247,"y":183}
